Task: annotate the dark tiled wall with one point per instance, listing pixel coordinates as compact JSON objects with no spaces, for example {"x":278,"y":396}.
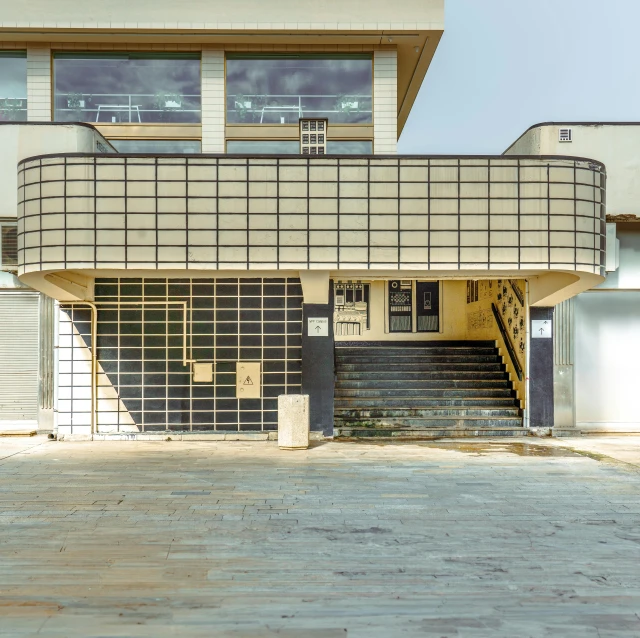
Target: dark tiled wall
{"x":230,"y":320}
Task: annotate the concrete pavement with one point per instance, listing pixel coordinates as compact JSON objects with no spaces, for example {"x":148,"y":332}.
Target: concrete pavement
{"x":454,"y":539}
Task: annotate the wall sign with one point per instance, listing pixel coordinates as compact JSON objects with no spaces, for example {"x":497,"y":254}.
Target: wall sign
{"x":248,"y":381}
{"x":541,"y":329}
{"x":318,"y":327}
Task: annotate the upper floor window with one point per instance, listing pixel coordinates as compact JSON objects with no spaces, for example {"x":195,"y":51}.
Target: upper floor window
{"x":137,"y":88}
{"x":13,"y":86}
{"x":280,"y":89}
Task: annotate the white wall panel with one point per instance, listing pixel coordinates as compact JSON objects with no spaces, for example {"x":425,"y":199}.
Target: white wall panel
{"x":607,"y":349}
{"x":385,"y":102}
{"x":213,"y":111}
{"x":39,"y":83}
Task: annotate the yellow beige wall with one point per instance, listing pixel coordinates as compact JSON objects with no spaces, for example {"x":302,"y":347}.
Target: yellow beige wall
{"x":481,"y":323}
{"x":452,"y":315}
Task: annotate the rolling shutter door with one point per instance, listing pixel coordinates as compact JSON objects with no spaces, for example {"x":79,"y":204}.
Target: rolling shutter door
{"x":19,"y":356}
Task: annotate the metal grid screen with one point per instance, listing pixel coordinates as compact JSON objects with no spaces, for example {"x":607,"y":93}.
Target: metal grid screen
{"x":142,"y":383}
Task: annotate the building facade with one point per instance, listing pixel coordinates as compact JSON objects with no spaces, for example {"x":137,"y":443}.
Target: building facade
{"x":598,"y":339}
{"x":217,"y":208}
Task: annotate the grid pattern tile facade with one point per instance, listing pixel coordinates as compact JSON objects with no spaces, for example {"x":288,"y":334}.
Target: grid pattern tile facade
{"x":217,"y":212}
{"x":142,"y":382}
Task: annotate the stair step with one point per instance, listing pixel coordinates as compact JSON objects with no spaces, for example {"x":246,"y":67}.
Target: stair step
{"x":372,"y":394}
{"x":433,"y":351}
{"x":427,"y":433}
{"x":410,"y":413}
{"x":466,"y":375}
{"x":395,"y":368}
{"x":412,"y":358}
{"x":417,"y":403}
{"x":466,"y":384}
{"x":429,"y":422}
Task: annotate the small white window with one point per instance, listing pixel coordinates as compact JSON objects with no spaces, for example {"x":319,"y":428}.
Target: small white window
{"x":564,"y":135}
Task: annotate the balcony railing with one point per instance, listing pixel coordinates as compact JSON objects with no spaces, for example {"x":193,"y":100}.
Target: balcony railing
{"x":128,"y":108}
{"x":13,"y":109}
{"x":288,"y":109}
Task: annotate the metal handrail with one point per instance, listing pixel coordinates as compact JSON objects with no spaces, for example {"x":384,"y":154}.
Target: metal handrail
{"x":507,"y":341}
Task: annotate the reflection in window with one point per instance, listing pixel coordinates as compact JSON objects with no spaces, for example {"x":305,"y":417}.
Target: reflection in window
{"x":263,"y":147}
{"x":127,"y":87}
{"x":157,"y":147}
{"x":351,"y":147}
{"x":13,"y":86}
{"x":291,"y":147}
{"x":280,"y":89}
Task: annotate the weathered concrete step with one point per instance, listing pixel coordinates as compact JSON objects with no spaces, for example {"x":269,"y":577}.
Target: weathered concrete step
{"x":409,"y":393}
{"x":430,"y":422}
{"x":369,"y":403}
{"x":427,"y":384}
{"x":419,"y":366}
{"x":426,"y":433}
{"x":401,"y":375}
{"x":428,"y":412}
{"x":400,"y":352}
{"x":412,"y":358}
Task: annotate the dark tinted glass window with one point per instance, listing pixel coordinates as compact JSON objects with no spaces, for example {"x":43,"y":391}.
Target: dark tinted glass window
{"x":263,"y":147}
{"x":157,"y":147}
{"x":140,"y":88}
{"x":282,"y":89}
{"x":292,"y":147}
{"x":9,"y":245}
{"x":13,"y":86}
{"x":349,"y":147}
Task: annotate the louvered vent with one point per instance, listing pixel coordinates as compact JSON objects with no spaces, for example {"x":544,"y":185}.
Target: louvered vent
{"x":313,"y":137}
{"x":565,"y":135}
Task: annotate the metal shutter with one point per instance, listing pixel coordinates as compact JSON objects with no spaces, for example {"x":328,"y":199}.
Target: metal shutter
{"x":19,"y":356}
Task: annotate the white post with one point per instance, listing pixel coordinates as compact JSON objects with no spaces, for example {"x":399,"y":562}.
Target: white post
{"x":293,"y":421}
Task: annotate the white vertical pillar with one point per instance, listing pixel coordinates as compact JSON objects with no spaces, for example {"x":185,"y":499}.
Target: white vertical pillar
{"x":213,"y":107}
{"x":39,"y":83}
{"x":385,"y":102}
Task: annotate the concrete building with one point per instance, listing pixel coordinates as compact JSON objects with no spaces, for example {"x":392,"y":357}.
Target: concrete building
{"x":597,"y":339}
{"x":217,"y":208}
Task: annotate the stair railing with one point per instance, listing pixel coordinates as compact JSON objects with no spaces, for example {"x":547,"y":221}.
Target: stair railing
{"x":507,"y":341}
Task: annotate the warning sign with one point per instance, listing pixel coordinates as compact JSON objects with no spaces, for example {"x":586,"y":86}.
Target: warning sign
{"x":248,"y":380}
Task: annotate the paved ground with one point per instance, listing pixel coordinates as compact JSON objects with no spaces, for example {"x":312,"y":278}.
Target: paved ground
{"x":480,"y":539}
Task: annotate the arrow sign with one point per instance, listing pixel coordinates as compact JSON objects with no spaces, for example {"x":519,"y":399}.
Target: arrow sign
{"x":541,"y":329}
{"x":318,"y":327}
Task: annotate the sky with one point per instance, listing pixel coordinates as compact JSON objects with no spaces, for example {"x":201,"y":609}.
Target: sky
{"x":504,"y":65}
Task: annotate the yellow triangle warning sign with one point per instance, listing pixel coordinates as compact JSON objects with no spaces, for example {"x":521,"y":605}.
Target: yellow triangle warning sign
{"x":247,"y":381}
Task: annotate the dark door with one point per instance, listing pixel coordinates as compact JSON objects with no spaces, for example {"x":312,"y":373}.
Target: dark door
{"x":428,"y":306}
{"x":400,"y":306}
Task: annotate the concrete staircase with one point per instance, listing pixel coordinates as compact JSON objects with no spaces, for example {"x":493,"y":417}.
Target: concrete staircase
{"x":423,"y":389}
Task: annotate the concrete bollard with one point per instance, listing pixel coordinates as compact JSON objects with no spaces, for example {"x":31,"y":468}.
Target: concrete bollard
{"x":293,"y":421}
